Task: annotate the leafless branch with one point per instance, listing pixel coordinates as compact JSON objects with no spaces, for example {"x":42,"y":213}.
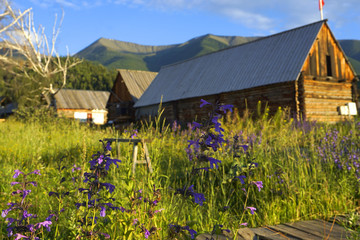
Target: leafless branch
{"x":31,"y":44}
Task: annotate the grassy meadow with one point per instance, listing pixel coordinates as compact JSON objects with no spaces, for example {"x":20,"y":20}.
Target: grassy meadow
{"x":308,"y":171}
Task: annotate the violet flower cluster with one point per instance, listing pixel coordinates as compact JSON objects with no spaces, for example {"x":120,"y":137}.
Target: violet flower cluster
{"x":21,"y":226}
{"x":200,"y":150}
{"x":343,"y":152}
{"x":209,"y":138}
{"x":96,"y":192}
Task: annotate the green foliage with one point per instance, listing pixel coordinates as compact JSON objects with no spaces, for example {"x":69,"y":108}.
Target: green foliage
{"x":90,"y":76}
{"x":34,"y":114}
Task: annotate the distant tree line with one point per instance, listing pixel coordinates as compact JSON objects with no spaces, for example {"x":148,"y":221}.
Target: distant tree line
{"x":89,"y":75}
{"x":86,"y":75}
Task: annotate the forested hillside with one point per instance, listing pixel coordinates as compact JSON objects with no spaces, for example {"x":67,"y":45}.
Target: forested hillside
{"x":86,"y":75}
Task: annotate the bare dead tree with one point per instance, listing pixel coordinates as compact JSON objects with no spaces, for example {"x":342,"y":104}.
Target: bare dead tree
{"x":36,"y":58}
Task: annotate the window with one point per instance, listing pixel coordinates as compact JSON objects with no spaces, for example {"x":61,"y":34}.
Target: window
{"x":328,"y":65}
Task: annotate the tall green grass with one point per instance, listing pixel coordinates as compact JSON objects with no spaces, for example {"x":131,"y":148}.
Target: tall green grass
{"x":298,"y":183}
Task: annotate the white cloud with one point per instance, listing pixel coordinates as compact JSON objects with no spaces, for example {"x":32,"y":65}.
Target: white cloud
{"x":66,"y":3}
{"x":75,"y":4}
{"x":249,"y":19}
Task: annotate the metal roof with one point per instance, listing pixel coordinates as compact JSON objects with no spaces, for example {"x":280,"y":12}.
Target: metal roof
{"x":137,"y":81}
{"x":81,"y":99}
{"x":273,"y":59}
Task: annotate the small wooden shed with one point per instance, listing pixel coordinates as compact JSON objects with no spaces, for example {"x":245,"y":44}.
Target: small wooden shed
{"x":127,"y":89}
{"x":303,"y":69}
{"x":83,"y":105}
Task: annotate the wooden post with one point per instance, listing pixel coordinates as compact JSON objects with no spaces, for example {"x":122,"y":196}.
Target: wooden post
{"x":135,"y":142}
{"x":147,"y":157}
{"x":135,"y":152}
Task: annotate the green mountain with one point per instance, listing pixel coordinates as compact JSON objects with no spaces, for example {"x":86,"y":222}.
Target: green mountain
{"x":352,"y":50}
{"x":118,"y":54}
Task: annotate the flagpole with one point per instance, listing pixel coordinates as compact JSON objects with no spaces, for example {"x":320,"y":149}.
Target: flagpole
{"x":321,"y":4}
{"x":321,"y":14}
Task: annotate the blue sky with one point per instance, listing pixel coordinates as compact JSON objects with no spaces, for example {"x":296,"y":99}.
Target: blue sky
{"x":163,"y":22}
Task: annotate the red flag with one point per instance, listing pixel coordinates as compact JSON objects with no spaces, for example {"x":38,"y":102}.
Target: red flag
{"x":321,"y":4}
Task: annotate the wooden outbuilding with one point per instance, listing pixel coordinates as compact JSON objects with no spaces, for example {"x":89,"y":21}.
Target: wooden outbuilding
{"x":302,"y":69}
{"x":83,"y":105}
{"x":127,"y":89}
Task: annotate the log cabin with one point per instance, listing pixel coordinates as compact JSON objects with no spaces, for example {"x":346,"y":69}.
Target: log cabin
{"x":83,"y":105}
{"x":302,"y":69}
{"x":128,"y":87}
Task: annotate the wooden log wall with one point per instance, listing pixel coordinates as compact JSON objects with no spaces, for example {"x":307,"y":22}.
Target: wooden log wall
{"x":272,"y":96}
{"x":321,"y":99}
{"x":121,"y":111}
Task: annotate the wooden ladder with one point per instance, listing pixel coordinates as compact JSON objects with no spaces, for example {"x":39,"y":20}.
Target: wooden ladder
{"x":135,"y":142}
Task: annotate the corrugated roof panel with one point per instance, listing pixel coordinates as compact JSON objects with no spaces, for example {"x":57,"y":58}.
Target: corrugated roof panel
{"x":274,"y":59}
{"x":137,"y":81}
{"x":81,"y":99}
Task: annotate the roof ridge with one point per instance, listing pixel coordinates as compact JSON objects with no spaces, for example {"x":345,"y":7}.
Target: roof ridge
{"x":82,"y":90}
{"x":242,"y":44}
{"x":133,"y":70}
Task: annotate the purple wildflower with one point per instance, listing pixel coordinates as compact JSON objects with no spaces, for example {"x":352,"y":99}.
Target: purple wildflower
{"x":195,"y":125}
{"x":252,"y":209}
{"x":213,"y":162}
{"x":75,"y":168}
{"x":17,"y":173}
{"x":191,"y":231}
{"x":176,"y":229}
{"x":245,"y":147}
{"x":5,"y":212}
{"x":199,"y":198}
{"x":103,"y":211}
{"x":146,"y":233}
{"x":108,"y":146}
{"x":241,"y":178}
{"x":20,"y":236}
{"x":203,"y":103}
{"x":110,"y":161}
{"x":108,"y":186}
{"x":45,"y":224}
{"x":225,"y":108}
{"x":35,"y":172}
{"x":135,"y":221}
{"x":259,"y":184}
